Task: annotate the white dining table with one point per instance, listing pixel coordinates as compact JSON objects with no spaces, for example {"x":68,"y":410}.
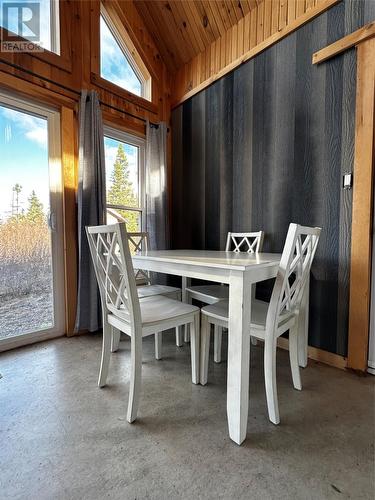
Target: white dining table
{"x":240,"y":271}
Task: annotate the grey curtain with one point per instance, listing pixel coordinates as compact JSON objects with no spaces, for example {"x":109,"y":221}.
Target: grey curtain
{"x":91,"y":207}
{"x":157,"y":223}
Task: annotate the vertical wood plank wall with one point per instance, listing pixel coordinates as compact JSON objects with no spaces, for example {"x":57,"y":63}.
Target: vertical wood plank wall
{"x":267,"y":145}
{"x":266,"y":19}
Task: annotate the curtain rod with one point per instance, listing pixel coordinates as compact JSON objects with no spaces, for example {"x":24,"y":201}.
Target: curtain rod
{"x":73,"y":91}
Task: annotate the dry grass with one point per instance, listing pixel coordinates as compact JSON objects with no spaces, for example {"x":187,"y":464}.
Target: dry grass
{"x":25,"y":256}
{"x":24,"y":241}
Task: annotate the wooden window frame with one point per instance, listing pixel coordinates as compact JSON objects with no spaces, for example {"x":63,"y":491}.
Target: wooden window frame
{"x":130,"y":53}
{"x":63,"y":60}
{"x":95,"y":77}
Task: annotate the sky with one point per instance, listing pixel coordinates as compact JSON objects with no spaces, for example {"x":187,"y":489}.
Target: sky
{"x":24,"y":158}
{"x":113,"y":63}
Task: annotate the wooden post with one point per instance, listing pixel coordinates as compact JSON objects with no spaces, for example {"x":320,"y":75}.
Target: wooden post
{"x":360,"y":270}
{"x":68,"y":155}
{"x":360,"y":266}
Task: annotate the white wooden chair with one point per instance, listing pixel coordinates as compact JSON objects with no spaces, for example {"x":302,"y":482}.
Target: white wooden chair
{"x":125,"y":311}
{"x":270,"y":320}
{"x":209,"y":294}
{"x":138,"y":242}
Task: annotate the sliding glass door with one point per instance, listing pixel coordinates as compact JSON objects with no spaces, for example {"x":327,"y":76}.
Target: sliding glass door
{"x":31,"y":253}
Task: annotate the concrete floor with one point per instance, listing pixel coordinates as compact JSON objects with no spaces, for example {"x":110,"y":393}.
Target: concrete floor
{"x":63,"y":438}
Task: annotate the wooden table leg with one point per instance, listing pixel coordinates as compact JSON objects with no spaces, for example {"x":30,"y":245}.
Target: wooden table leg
{"x":238,"y":356}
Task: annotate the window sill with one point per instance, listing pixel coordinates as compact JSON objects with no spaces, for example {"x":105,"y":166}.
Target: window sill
{"x":124,"y":94}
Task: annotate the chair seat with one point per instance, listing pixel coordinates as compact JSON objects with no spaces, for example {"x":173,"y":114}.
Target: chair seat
{"x":156,"y":309}
{"x":259,"y":309}
{"x":151,"y":290}
{"x":211,"y":292}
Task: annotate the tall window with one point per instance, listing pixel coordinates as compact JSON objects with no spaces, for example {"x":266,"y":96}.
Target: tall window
{"x":117,"y":60}
{"x":38,"y":22}
{"x":124,"y":164}
{"x":31,"y":238}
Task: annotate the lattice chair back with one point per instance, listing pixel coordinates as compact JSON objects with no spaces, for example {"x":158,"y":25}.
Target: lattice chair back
{"x":114,"y":271}
{"x":138,"y":242}
{"x":296,"y":260}
{"x":245,"y":242}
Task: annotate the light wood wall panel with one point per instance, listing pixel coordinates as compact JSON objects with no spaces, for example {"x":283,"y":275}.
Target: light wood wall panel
{"x":264,"y":24}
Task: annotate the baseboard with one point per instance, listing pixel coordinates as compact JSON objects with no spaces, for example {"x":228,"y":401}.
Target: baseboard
{"x":26,"y":339}
{"x":328,"y":358}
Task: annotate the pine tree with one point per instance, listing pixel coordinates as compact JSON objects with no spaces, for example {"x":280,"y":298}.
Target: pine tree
{"x":35,"y":209}
{"x":121,"y":191}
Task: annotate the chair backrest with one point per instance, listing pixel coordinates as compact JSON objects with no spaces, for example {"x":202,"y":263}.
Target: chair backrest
{"x":114,"y":271}
{"x":245,"y":242}
{"x":139,"y":242}
{"x":294,"y":269}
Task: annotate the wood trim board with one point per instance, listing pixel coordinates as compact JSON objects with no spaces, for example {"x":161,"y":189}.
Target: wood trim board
{"x":363,"y":191}
{"x":364,"y":33}
{"x":328,"y":358}
{"x":69,"y":161}
{"x":360,"y":271}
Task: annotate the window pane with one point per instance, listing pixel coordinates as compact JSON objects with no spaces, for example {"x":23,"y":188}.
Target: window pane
{"x":114,"y":65}
{"x":122,"y":173}
{"x":131,"y":217}
{"x":10,"y":16}
{"x":26,"y":289}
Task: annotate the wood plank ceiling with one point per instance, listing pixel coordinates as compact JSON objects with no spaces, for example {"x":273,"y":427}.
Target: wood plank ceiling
{"x":183,"y":29}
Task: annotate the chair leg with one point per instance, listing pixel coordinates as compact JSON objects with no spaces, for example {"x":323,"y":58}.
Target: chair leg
{"x":205,"y":349}
{"x":116,"y":334}
{"x":194,"y":347}
{"x":218,"y":335}
{"x":158,"y":345}
{"x":186,"y":298}
{"x":135,"y":375}
{"x":179,"y":336}
{"x":293,"y":357}
{"x":106,"y":353}
{"x":187,"y":334}
{"x":270,"y":379}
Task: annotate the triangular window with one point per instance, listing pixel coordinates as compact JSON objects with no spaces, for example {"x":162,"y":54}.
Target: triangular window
{"x":116,"y":62}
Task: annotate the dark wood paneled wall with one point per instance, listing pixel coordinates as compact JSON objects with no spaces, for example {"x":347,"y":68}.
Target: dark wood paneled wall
{"x":267,"y":145}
